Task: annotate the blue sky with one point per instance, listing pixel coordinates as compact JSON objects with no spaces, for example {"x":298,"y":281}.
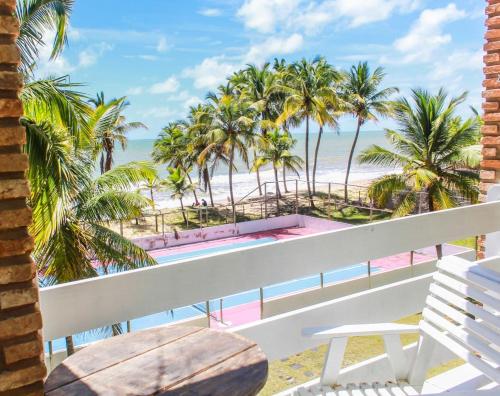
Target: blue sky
{"x":165,"y":54}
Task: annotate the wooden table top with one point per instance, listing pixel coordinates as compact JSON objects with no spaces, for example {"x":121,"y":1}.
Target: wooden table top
{"x":169,"y":360}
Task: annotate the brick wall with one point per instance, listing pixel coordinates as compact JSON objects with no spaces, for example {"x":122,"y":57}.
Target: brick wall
{"x":490,"y":166}
{"x":21,"y":351}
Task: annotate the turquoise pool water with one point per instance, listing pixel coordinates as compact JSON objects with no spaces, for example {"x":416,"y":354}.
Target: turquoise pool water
{"x":228,"y":301}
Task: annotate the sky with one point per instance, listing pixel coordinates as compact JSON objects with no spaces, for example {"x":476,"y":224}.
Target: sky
{"x":165,"y":55}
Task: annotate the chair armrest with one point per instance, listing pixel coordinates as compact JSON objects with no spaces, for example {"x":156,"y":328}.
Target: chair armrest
{"x":358,"y":330}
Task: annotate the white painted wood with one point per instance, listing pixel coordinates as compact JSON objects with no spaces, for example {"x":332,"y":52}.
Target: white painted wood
{"x":492,"y":244}
{"x":358,"y":330}
{"x":71,"y":308}
{"x":465,"y":290}
{"x":461,"y":351}
{"x":396,"y":356}
{"x":333,"y":361}
{"x":460,"y":268}
{"x":356,"y":308}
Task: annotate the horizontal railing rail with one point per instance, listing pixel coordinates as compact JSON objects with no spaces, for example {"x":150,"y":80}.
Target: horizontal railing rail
{"x":78,"y":306}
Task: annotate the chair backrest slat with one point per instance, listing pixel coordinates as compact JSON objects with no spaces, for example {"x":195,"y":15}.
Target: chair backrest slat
{"x":462,"y":312}
{"x":466,"y":291}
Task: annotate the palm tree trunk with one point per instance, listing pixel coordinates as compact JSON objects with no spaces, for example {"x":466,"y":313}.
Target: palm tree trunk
{"x":209,"y":185}
{"x":257,"y":172}
{"x":152,"y":197}
{"x":70,"y":347}
{"x":284,"y":179}
{"x":307,"y":163}
{"x":194,"y":189}
{"x":109,"y":160}
{"x":182,"y":210}
{"x":349,"y":163}
{"x":101,"y":163}
{"x":439,"y":247}
{"x":231,"y":160}
{"x":316,"y":151}
{"x":277,"y":181}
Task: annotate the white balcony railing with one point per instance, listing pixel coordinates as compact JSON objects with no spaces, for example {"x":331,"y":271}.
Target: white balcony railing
{"x":79,"y":306}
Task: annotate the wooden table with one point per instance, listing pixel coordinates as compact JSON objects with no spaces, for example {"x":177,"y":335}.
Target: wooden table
{"x":169,"y":360}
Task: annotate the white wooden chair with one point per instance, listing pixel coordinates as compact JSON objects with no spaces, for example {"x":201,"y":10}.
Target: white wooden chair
{"x":461,"y":314}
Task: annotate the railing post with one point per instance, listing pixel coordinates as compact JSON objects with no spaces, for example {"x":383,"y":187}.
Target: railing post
{"x":411,"y":262}
{"x":261,"y":300}
{"x":163,"y":224}
{"x":296,"y":196}
{"x":329,"y":199}
{"x":265,"y":200}
{"x":207,"y":308}
{"x":369,"y":274}
{"x":221,"y":311}
{"x":322,"y":279}
{"x":200,"y":217}
{"x":129,"y":326}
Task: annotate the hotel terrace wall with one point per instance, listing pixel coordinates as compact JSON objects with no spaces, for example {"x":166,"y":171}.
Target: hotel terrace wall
{"x":21,"y":352}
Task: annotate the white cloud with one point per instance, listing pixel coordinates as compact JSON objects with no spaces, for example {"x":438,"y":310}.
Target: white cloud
{"x":210,"y":72}
{"x":90,"y":55}
{"x":267,"y":16}
{"x":426,"y":35}
{"x":163,"y":45}
{"x":134,"y":91}
{"x":274,"y":46}
{"x":62,"y":65}
{"x":210,"y":12}
{"x":455,"y":63}
{"x":264,"y":15}
{"x":160,"y":112}
{"x":170,"y":85}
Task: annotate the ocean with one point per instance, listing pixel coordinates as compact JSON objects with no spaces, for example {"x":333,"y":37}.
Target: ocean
{"x":332,"y":163}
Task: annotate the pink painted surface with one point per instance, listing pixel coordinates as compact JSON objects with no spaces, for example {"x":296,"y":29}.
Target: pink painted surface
{"x":250,"y":312}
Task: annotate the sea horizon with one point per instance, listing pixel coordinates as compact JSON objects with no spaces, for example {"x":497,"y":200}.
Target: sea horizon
{"x":332,"y":164}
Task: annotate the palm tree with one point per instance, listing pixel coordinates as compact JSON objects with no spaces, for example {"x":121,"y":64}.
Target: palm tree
{"x":290,"y":162}
{"x":367,"y":102}
{"x":179,"y":185}
{"x":308,"y":99}
{"x":110,"y":128}
{"x":231,"y":130}
{"x":258,"y":86}
{"x":172,"y":148}
{"x":70,"y":207}
{"x":429,"y":148}
{"x":275,"y":151}
{"x":327,"y":77}
{"x":36,"y":17}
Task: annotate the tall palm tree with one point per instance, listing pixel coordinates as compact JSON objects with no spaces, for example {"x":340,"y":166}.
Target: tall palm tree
{"x":179,"y":185}
{"x":258,"y":86}
{"x":367,"y":102}
{"x":232,"y":130}
{"x":172,"y":148}
{"x":110,"y":128}
{"x":327,"y":76}
{"x":290,"y":162}
{"x":308,"y":99}
{"x":429,"y":148}
{"x":276,"y":151}
{"x":199,"y":122}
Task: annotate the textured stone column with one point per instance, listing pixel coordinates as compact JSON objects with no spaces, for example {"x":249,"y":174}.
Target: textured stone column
{"x":21,"y":350}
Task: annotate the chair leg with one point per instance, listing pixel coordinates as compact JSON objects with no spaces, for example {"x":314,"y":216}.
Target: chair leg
{"x":396,"y":356}
{"x":421,"y":360}
{"x":333,"y":361}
